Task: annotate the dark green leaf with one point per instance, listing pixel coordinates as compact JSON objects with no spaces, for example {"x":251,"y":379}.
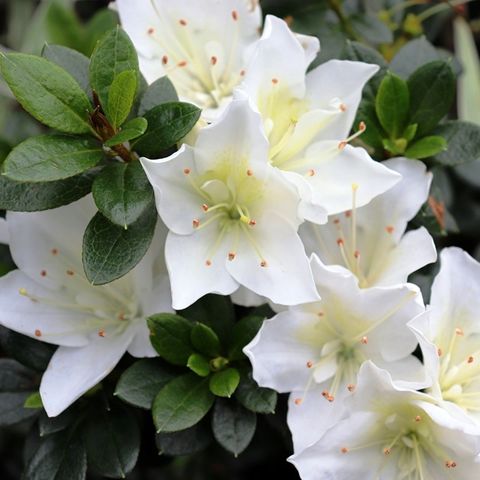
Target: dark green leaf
{"x":224,"y":383}
{"x":185,"y":442}
{"x":413,"y":55}
{"x":432,"y":89}
{"x":205,"y":340}
{"x":123,"y":193}
{"x":12,"y":408}
{"x":410,"y":132}
{"x":141,"y":382}
{"x":168,"y":123}
{"x":426,"y":147}
{"x":26,"y":350}
{"x":75,"y":63}
{"x":113,"y":55}
{"x":170,"y":336}
{"x":110,"y":251}
{"x":255,"y":398}
{"x":112,"y":438}
{"x":132,"y":129}
{"x":32,"y":197}
{"x":48,"y":425}
{"x":216,"y":311}
{"x":61,"y":456}
{"x":103,"y":21}
{"x":14,"y":377}
{"x":392,"y":104}
{"x":33,"y":401}
{"x":243,"y":333}
{"x":372,"y":29}
{"x":182,"y":403}
{"x":198,"y":364}
{"x":233,"y":426}
{"x":160,"y":91}
{"x":121,"y":95}
{"x":374,"y":133}
{"x":62,"y":25}
{"x":463,"y":142}
{"x":47,"y":92}
{"x":51,"y":157}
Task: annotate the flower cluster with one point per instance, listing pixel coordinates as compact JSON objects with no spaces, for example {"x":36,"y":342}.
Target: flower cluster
{"x":268,"y":199}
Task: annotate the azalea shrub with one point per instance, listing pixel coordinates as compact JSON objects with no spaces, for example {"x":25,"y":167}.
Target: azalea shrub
{"x":239,"y":239}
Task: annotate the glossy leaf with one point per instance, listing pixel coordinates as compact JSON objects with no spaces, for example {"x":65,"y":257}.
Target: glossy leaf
{"x":225,"y":382}
{"x":121,"y":95}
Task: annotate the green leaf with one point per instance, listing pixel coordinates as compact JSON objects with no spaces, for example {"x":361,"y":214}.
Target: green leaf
{"x":255,"y":398}
{"x":33,"y":401}
{"x":132,"y":129}
{"x":168,"y":123}
{"x":186,"y":442}
{"x":26,"y":350}
{"x":205,"y":340}
{"x":63,"y":26}
{"x":426,"y":147}
{"x":123,"y":193}
{"x":413,"y":55}
{"x":12,"y":408}
{"x":47,"y":92}
{"x":113,"y":55}
{"x":371,"y":28}
{"x":198,"y":364}
{"x":374,"y":133}
{"x":216,"y":311}
{"x":463,"y":142}
{"x":32,"y":197}
{"x":48,"y":425}
{"x":140,"y":383}
{"x":121,"y":95}
{"x":392,"y":104}
{"x":61,"y":456}
{"x":160,"y":91}
{"x":51,"y":157}
{"x":182,"y":403}
{"x":170,"y":336}
{"x":432,"y":89}
{"x":233,"y":426}
{"x":112,"y":438}
{"x":14,"y":377}
{"x":103,"y":21}
{"x":244,"y":332}
{"x":75,"y":63}
{"x":410,"y":132}
{"x":224,"y":383}
{"x":110,"y":251}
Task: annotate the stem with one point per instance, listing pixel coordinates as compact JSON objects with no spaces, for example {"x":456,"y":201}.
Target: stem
{"x":440,"y":8}
{"x":336,"y":7}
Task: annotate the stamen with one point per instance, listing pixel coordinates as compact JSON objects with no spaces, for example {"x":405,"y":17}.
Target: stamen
{"x":165,"y":59}
{"x":459,"y":332}
{"x":205,"y":207}
{"x":418,"y":418}
{"x":183,"y":63}
{"x":195,"y":223}
{"x":343,"y":107}
{"x":364,"y":340}
{"x":208,"y":263}
{"x":231,"y":256}
{"x":275,"y":81}
{"x":235,"y":15}
{"x":450,"y":464}
{"x":298,"y":401}
{"x":43,"y":273}
{"x":151,"y":31}
{"x":387,"y":451}
{"x":182,"y":22}
{"x":23,"y":292}
{"x":186,"y":171}
{"x":389,"y":229}
{"x":311,"y":172}
{"x":263,"y":263}
{"x":344,"y":450}
{"x":470,"y":359}
{"x":101,"y":333}
{"x":252,"y":223}
{"x":70,"y":273}
{"x":38,"y":333}
{"x":439,"y":352}
{"x":361,"y":128}
{"x":249,"y":172}
{"x":213,"y":60}
{"x":351,"y":387}
{"x":54,"y":251}
{"x":242,"y":73}
{"x":309,"y":364}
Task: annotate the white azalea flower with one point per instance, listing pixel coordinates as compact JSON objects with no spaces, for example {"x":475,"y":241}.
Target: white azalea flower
{"x":202,"y":45}
{"x":449,"y":332}
{"x":392,"y":433}
{"x":49,"y":298}
{"x":315,"y":350}
{"x":308,"y":118}
{"x":371,"y":241}
{"x":4,"y":237}
{"x":232,"y":217}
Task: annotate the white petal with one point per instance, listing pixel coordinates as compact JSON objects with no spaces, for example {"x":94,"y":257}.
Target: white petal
{"x":279,"y":354}
{"x":236,"y":137}
{"x":340,"y":79}
{"x":269,"y":63}
{"x":190,"y":275}
{"x":58,"y":235}
{"x":4,"y":235}
{"x":310,"y":44}
{"x":246,"y":298}
{"x":38,"y":320}
{"x":286,"y":277}
{"x":73,"y":371}
{"x":178,"y":201}
{"x":141,"y":346}
{"x":335,"y":175}
{"x":311,"y":418}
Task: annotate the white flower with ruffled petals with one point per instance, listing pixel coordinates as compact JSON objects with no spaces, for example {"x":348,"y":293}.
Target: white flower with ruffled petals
{"x":308,"y":117}
{"x":449,"y":332}
{"x":202,"y":45}
{"x":232,"y":217}
{"x":371,"y":241}
{"x":49,"y":298}
{"x":393,"y":433}
{"x":315,"y":350}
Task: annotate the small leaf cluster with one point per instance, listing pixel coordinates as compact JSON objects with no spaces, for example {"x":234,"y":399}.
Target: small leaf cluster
{"x":104,"y":118}
{"x":205,"y":372}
